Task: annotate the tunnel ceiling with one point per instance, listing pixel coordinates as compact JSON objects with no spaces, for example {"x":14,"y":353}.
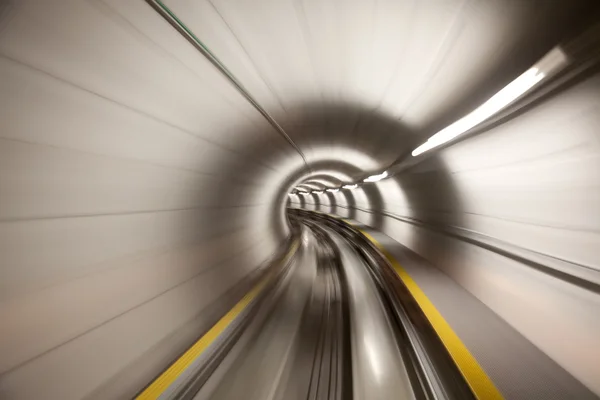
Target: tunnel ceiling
{"x":365,"y":82}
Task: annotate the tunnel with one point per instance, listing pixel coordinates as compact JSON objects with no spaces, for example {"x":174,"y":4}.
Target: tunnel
{"x":161,"y":159}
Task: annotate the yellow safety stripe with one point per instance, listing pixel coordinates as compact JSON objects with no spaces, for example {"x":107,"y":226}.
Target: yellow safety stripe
{"x":480,"y":383}
{"x":160,"y":384}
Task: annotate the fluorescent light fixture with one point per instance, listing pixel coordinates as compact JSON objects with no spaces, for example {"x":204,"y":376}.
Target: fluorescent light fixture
{"x":333,"y":190}
{"x":350,"y":186}
{"x":375,"y":178}
{"x":497,"y":102}
{"x":317,"y":191}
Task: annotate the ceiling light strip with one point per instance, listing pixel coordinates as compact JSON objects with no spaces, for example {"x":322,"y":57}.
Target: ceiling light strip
{"x":552,"y":62}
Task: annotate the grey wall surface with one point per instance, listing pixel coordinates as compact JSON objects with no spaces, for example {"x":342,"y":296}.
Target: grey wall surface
{"x":131,"y":200}
{"x":137,"y":186}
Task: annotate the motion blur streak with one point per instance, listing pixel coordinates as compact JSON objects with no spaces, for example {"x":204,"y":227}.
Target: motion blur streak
{"x":148,"y":182}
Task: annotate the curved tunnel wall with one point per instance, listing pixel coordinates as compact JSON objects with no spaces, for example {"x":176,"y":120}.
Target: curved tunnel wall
{"x":132,"y":202}
{"x":488,"y":211}
{"x":138,"y":189}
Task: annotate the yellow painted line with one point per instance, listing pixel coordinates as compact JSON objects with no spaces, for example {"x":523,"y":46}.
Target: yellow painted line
{"x":160,"y":384}
{"x":480,"y":383}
